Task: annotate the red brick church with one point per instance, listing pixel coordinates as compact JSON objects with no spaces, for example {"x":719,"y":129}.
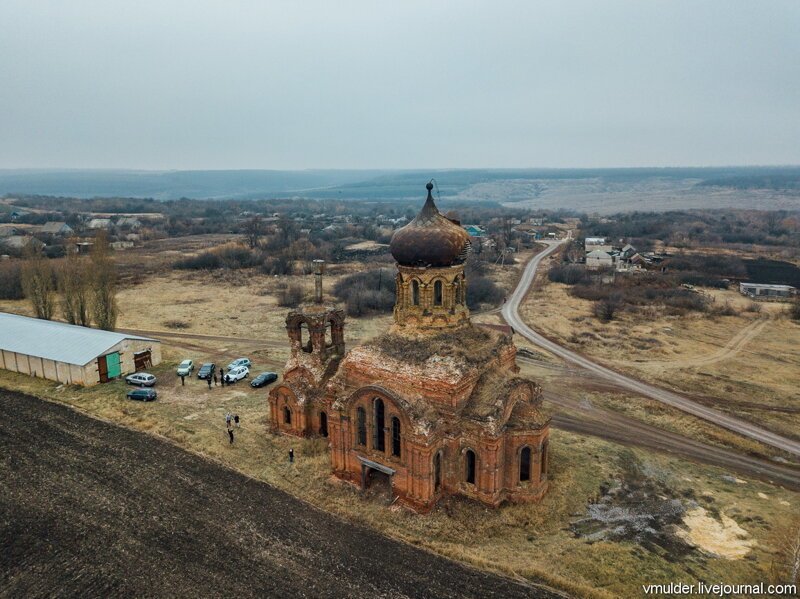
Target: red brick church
{"x":434,"y":406}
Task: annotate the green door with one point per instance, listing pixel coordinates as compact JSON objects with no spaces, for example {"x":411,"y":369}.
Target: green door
{"x":114,"y":368}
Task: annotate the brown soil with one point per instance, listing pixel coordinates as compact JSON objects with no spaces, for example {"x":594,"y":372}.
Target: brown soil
{"x":90,"y":509}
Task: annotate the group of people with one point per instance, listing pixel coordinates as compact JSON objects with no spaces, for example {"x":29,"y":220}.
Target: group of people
{"x":220,"y":379}
{"x":231,"y":421}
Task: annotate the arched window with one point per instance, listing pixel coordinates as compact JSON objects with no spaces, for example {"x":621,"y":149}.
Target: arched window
{"x":437,"y":471}
{"x":396,"y":436}
{"x":287,"y":415}
{"x":525,"y":464}
{"x":545,"y":459}
{"x":323,"y":424}
{"x":378,"y":433}
{"x":415,"y":292}
{"x":469,"y":459}
{"x":437,"y":293}
{"x":305,"y":338}
{"x":361,"y":426}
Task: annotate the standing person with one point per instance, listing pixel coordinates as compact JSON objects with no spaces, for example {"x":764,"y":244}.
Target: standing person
{"x":222,"y":376}
{"x":208,"y":380}
{"x":228,"y":420}
{"x":291,"y":456}
{"x":215,"y":379}
{"x":236,"y":420}
{"x":230,"y":436}
{"x":183,"y":382}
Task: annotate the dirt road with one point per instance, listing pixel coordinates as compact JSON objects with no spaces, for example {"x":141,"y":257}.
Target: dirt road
{"x":512,"y":317}
{"x":91,"y":509}
{"x":589,"y":420}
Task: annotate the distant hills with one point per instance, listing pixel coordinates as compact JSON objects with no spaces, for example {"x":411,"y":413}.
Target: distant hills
{"x":587,"y":189}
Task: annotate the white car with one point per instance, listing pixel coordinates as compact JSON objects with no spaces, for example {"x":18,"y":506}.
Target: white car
{"x":237,"y":374}
{"x":142,"y":379}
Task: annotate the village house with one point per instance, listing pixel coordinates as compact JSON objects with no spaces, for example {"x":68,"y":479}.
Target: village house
{"x":763,"y":291}
{"x":599,"y":259}
{"x":591,"y":244}
{"x":20,"y":242}
{"x":56,"y":228}
{"x":99,"y":223}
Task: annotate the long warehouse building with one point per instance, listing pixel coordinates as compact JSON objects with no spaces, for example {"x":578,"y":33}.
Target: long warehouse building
{"x":72,"y":354}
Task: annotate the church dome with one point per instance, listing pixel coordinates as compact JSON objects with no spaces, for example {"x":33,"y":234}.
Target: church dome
{"x":431,"y":239}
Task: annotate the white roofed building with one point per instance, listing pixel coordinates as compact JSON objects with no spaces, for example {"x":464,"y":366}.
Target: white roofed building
{"x":72,"y":354}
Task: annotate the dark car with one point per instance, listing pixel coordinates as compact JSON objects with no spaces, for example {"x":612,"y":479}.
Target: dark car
{"x":265,"y":378}
{"x":143,"y":394}
{"x":206,"y":371}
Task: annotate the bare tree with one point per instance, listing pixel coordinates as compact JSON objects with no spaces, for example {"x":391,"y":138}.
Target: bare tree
{"x":74,"y":286}
{"x":37,"y":283}
{"x":103,"y":285}
{"x":254,"y":231}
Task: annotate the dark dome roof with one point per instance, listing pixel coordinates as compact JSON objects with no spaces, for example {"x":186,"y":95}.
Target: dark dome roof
{"x":431,"y":239}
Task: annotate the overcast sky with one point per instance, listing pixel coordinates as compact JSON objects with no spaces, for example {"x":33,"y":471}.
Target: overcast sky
{"x":403,"y":84}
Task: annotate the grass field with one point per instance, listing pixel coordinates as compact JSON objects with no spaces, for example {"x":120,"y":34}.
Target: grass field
{"x":748,"y":364}
{"x":700,"y":514}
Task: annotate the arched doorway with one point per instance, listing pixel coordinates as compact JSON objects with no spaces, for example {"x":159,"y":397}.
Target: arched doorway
{"x":437,"y":471}
{"x":323,"y":424}
{"x":525,"y":464}
{"x":469,"y":463}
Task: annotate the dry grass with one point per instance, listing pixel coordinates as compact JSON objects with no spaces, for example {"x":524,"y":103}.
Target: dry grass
{"x":748,"y":364}
{"x":521,"y":540}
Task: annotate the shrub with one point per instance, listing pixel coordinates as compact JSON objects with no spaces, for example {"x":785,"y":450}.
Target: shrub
{"x":232,"y":257}
{"x":754,"y":307}
{"x":606,"y":309}
{"x":290,"y":296}
{"x":176,"y":324}
{"x":367,"y":292}
{"x":569,"y":274}
{"x":11,"y":281}
{"x":482,"y":290}
{"x":794,"y":310}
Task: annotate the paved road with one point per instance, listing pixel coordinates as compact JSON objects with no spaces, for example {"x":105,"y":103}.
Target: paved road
{"x":91,"y":509}
{"x":511,"y":314}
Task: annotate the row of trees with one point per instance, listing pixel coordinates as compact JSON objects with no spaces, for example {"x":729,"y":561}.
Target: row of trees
{"x":83,"y":288}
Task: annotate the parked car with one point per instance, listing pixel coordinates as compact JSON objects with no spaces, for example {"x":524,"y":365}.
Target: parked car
{"x":263,"y":379}
{"x":185,"y":368}
{"x":142,"y":379}
{"x":206,"y":371}
{"x":142,"y":394}
{"x":236,"y":374}
{"x":240,"y":362}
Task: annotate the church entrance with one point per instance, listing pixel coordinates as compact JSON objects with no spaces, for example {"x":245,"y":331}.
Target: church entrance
{"x":376,"y":479}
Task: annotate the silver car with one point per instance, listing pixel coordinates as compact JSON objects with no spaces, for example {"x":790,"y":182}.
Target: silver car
{"x":185,"y":368}
{"x":142,"y":379}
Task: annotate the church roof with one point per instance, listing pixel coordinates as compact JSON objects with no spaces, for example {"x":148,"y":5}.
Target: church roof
{"x":430,"y":239}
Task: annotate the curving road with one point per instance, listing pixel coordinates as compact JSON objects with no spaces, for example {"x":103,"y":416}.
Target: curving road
{"x":511,"y":314}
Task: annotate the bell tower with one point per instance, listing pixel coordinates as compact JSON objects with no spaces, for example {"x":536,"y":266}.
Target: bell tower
{"x":316,"y":333}
{"x":431,"y":286}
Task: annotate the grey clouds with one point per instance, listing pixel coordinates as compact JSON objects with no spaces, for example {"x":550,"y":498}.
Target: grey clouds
{"x":378,"y":84}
